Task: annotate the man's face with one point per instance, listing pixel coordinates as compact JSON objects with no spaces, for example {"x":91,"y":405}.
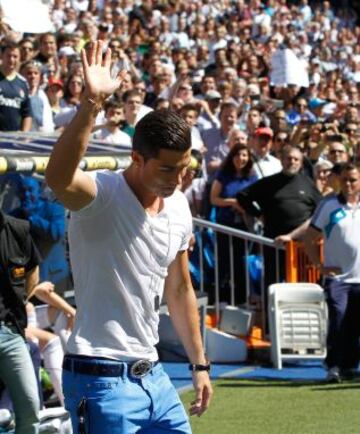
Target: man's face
{"x":33,"y":76}
{"x":350,"y":182}
{"x":30,"y":193}
{"x":126,"y":83}
{"x":228,"y":118}
{"x":337,"y":153}
{"x":190,"y":116}
{"x":292,"y":162}
{"x":301,"y":106}
{"x":11,"y":59}
{"x":48,"y":46}
{"x":262,"y":144}
{"x":115,"y":115}
{"x":132,"y":105}
{"x":208,"y":83}
{"x":161,"y":175}
{"x":254,"y":118}
{"x":236,"y":137}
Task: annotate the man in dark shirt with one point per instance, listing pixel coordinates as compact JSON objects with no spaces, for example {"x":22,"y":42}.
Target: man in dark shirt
{"x":285,"y":200}
{"x":18,"y":277}
{"x":15,"y":112}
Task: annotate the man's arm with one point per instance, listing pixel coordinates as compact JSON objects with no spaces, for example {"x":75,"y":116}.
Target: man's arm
{"x":31,"y":280}
{"x":248,"y":196}
{"x":296,"y":234}
{"x":26,"y":124}
{"x":312,"y":237}
{"x":44,"y":291}
{"x":182,"y":305}
{"x":74,"y":188}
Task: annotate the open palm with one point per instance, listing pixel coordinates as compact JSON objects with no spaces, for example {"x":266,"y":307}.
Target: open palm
{"x":98,"y":82}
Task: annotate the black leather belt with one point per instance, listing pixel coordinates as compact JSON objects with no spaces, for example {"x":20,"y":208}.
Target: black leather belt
{"x":137,"y":369}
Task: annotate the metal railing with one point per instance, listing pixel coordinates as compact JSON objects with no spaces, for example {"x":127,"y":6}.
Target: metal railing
{"x":247,"y":238}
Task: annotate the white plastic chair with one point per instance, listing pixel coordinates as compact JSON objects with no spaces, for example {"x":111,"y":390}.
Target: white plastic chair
{"x":297,"y":322}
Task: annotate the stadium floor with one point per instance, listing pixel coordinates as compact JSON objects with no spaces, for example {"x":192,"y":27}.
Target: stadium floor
{"x":299,"y":371}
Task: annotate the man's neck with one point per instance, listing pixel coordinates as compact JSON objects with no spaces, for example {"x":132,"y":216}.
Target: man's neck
{"x":225,"y":130}
{"x":8,"y":73}
{"x":353,"y":199}
{"x":131,"y":118}
{"x":32,"y":90}
{"x":112,"y":128}
{"x":150,"y":202}
{"x":261,"y":153}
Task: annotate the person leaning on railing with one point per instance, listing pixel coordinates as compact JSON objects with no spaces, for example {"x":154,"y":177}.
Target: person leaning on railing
{"x":235,"y":174}
{"x":285,"y":200}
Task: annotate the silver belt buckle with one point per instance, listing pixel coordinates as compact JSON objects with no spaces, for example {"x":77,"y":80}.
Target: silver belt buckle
{"x":140,"y":368}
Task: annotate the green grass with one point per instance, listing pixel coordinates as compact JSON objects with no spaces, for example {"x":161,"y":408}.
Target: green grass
{"x":279,"y":407}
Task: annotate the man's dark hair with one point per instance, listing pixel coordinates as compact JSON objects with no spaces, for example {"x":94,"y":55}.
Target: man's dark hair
{"x":130,"y":93}
{"x":161,"y":129}
{"x":347,"y":167}
{"x":112,"y":103}
{"x":9,"y":45}
{"x":190,"y":106}
{"x":44,"y":35}
{"x":228,"y":105}
{"x":335,"y":138}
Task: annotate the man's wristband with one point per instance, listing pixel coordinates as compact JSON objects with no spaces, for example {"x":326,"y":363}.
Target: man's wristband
{"x":195,"y":368}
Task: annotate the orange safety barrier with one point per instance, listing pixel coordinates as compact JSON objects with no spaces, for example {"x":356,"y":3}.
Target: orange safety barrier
{"x":298,"y":265}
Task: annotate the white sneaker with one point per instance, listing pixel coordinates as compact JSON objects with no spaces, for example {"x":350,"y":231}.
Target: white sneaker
{"x":333,"y":375}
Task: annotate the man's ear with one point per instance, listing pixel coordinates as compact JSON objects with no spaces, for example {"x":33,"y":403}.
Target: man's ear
{"x":138,"y":159}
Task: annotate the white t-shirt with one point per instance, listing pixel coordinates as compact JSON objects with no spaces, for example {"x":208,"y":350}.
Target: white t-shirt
{"x":340,"y":225}
{"x":120,"y":256}
{"x":116,"y":138}
{"x":266,"y":166}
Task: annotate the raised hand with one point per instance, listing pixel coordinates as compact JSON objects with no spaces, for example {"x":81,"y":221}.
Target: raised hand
{"x":99,"y":84}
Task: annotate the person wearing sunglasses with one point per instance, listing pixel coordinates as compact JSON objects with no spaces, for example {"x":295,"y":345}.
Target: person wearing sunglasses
{"x":300,"y":114}
{"x":337,"y":152}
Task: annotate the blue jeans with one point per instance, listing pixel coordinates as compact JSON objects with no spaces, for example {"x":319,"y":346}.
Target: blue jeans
{"x":124,"y":405}
{"x":18,"y":375}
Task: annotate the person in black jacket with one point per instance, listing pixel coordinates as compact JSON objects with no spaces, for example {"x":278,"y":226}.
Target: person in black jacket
{"x":19,"y":275}
{"x":285,"y":201}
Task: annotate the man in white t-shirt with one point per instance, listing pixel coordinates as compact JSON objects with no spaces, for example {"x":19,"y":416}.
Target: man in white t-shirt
{"x":128,"y":234}
{"x":337,"y":220}
{"x":110,"y":132}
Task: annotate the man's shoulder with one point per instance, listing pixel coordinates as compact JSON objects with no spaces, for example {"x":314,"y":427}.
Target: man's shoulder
{"x":273,"y":159}
{"x":179,"y":204}
{"x":178,"y":198}
{"x":328,"y":204}
{"x":210,"y":132}
{"x":19,"y":226}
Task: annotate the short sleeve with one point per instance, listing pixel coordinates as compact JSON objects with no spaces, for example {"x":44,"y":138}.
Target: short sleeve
{"x":105,"y":181}
{"x":319,"y":218}
{"x":33,"y":254}
{"x":188,"y":228}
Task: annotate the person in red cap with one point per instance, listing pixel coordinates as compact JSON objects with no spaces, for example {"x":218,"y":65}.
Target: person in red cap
{"x":54,"y":92}
{"x":265,"y":163}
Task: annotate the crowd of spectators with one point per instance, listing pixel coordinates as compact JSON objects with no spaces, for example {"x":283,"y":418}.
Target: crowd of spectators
{"x":217,"y":64}
{"x":213,"y":62}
